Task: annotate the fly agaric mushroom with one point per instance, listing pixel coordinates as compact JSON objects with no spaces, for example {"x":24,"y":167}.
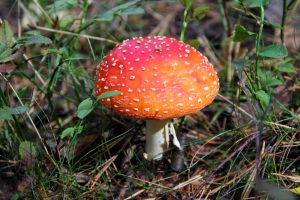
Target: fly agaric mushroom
{"x":160,"y":78}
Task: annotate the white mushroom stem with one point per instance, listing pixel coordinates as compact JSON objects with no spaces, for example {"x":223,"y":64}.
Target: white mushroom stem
{"x":157,"y":137}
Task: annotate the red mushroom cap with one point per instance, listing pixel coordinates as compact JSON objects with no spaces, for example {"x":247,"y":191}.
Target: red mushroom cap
{"x":159,"y":77}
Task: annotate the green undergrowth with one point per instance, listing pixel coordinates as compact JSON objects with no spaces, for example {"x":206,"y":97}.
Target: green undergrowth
{"x":58,"y":142}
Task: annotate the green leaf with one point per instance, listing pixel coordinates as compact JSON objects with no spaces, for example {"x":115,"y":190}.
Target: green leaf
{"x":193,"y":43}
{"x":282,"y":62}
{"x":109,"y":14}
{"x":7,"y":112}
{"x":62,"y":5}
{"x":124,"y":6}
{"x":106,"y":16}
{"x":84,"y":108}
{"x":77,"y":56}
{"x":241,"y":63}
{"x":240,"y":33}
{"x":5,"y":115}
{"x":286,"y":67}
{"x":133,"y":11}
{"x":263,"y":97}
{"x":4,"y":53}
{"x":27,"y":148}
{"x":272,"y":82}
{"x":16,"y":110}
{"x":65,"y":21}
{"x":15,"y":197}
{"x":200,"y":12}
{"x":256,"y":3}
{"x":6,"y":34}
{"x":28,"y":153}
{"x":67,"y":131}
{"x":79,"y":129}
{"x":107,"y":95}
{"x":35,"y":39}
{"x":274,"y":51}
{"x":186,"y":3}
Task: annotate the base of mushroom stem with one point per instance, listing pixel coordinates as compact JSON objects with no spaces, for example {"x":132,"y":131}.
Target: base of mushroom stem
{"x":157,"y":137}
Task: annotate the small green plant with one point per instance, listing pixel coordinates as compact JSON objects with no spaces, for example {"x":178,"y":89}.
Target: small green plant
{"x":189,"y":15}
{"x":85,"y":108}
{"x":261,"y":82}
